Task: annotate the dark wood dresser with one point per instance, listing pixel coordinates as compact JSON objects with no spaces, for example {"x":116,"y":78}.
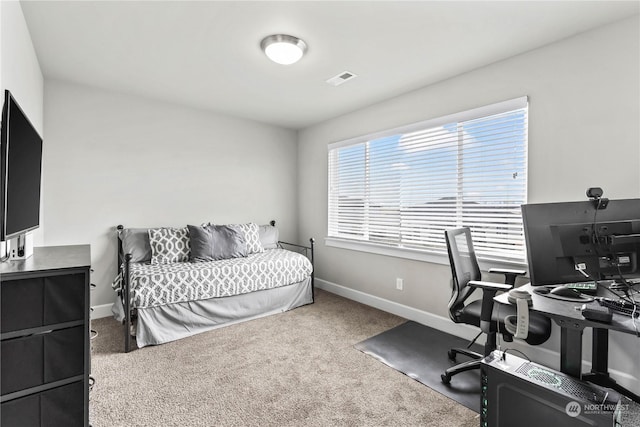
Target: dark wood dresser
{"x":45,"y":354}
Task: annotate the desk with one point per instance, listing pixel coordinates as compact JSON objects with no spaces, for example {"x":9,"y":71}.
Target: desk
{"x":568,"y":316}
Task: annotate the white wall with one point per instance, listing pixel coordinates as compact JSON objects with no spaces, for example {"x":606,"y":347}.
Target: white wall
{"x":114,"y":159}
{"x":20,"y":71}
{"x":584,"y":116}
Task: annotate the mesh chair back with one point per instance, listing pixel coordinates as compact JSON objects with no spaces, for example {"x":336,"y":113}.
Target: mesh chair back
{"x":464,"y":267}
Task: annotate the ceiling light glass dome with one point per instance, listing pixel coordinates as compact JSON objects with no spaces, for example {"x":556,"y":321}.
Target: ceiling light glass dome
{"x":283,"y":49}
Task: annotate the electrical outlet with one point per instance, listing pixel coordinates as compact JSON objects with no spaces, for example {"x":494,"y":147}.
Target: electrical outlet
{"x":399,"y":283}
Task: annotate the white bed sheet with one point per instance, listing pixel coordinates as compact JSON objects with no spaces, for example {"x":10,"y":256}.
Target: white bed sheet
{"x":162,"y":324}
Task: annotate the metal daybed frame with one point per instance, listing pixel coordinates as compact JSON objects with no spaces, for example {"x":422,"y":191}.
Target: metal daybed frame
{"x":123,"y":267}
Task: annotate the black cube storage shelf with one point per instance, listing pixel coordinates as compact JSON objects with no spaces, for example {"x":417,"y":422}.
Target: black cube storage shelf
{"x":44,"y":330}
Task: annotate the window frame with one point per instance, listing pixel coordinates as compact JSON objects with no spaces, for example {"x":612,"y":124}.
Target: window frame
{"x":432,"y":256}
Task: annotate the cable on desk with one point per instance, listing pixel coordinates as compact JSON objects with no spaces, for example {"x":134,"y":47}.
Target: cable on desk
{"x":594,"y":229}
{"x":504,"y":353}
{"x":627,"y":297}
{"x":619,"y":296}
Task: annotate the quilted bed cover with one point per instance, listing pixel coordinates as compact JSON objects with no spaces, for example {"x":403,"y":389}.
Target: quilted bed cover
{"x":157,"y":285}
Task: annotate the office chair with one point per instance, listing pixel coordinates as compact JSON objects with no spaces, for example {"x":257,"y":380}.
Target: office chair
{"x":481,"y":313}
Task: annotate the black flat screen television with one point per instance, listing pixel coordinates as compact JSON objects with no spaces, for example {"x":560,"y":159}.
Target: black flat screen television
{"x":572,"y":242}
{"x":21,"y":167}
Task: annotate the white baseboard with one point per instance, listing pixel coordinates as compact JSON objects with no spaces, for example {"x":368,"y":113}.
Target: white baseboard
{"x":100,"y":311}
{"x":538,"y":354}
{"x":409,"y":313}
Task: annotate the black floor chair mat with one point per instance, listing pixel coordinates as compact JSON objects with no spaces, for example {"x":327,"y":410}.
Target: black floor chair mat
{"x":420,"y":352}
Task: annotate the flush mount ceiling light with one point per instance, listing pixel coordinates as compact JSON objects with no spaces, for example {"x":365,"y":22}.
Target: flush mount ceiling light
{"x":283,"y":49}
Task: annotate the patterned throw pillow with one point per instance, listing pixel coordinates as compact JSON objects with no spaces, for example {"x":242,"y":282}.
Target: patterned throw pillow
{"x":169,"y":245}
{"x":251,"y":237}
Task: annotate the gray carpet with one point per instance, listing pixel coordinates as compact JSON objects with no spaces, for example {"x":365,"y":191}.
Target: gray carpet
{"x":291,"y":369}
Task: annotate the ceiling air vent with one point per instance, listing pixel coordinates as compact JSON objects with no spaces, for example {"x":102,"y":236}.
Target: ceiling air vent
{"x":341,"y":78}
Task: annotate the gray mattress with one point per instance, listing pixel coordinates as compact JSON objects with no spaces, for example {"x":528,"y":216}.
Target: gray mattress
{"x":162,"y":324}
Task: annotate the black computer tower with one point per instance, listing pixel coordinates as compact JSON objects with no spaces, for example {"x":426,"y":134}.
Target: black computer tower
{"x":516,"y":392}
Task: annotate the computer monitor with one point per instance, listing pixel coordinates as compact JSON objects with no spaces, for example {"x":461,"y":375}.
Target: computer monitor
{"x":571,"y":242}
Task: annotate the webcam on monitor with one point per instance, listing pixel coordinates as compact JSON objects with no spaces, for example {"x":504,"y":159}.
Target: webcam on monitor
{"x":595,"y":194}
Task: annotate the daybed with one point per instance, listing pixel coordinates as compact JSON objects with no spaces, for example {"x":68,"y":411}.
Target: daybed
{"x":169,"y":290}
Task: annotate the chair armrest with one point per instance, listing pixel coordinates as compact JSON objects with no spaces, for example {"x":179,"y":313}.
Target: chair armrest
{"x":508,"y":271}
{"x":489,"y":290}
{"x":509,"y":274}
{"x":491,"y":286}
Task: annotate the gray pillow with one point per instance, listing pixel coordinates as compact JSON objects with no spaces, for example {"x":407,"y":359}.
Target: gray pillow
{"x":269,"y":236}
{"x":135,"y":241}
{"x":215,"y":242}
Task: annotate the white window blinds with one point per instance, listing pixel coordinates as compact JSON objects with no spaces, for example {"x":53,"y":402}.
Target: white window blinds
{"x":402,"y":188}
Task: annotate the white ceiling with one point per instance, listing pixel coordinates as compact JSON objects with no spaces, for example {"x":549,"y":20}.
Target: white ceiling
{"x":206,"y":54}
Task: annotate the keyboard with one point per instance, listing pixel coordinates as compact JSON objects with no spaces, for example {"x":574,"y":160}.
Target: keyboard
{"x":584,"y":287}
{"x":619,"y":306}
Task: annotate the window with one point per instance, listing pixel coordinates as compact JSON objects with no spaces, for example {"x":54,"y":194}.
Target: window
{"x":402,"y":188}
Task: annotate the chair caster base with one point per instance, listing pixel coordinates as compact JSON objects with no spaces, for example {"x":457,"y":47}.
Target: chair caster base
{"x":446,"y":379}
